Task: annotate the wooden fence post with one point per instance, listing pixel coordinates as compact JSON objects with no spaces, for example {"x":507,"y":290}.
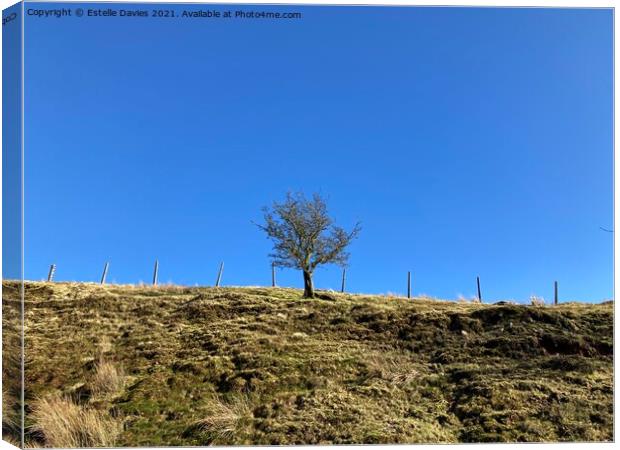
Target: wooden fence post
{"x":408,"y":284}
{"x":105,"y":272}
{"x":273,"y":274}
{"x":219,"y":275}
{"x":555,"y":289}
{"x":155,"y":272}
{"x":479,"y":293}
{"x":344,"y":279}
{"x":50,"y":274}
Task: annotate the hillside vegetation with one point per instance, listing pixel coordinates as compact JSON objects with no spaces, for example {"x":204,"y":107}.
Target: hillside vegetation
{"x":138,"y":365}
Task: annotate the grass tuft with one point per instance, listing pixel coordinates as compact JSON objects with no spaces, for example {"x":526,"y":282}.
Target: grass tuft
{"x":65,"y":424}
{"x":108,"y":379}
{"x":223,"y":420}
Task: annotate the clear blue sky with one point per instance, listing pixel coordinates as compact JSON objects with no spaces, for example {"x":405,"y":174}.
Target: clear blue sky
{"x":467,"y":141}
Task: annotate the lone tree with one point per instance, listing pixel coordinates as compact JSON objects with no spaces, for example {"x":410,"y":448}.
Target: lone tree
{"x":304,"y":236}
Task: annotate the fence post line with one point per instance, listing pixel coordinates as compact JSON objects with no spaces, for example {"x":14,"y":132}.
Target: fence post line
{"x":50,"y":274}
{"x":408,"y":284}
{"x":155,"y":272}
{"x":273,"y":274}
{"x":479,"y":293}
{"x":344,"y":279}
{"x":219,"y":275}
{"x":105,"y":272}
{"x":555,"y":291}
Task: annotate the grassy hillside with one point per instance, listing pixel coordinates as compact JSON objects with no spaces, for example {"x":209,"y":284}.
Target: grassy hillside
{"x":198,"y":366}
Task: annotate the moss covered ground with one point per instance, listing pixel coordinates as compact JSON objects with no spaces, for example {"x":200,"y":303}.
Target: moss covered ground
{"x":222,"y":366}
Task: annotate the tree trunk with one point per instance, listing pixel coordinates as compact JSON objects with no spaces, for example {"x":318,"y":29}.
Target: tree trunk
{"x":308,"y":288}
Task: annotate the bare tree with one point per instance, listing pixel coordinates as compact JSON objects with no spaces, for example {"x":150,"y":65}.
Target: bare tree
{"x":304,"y":236}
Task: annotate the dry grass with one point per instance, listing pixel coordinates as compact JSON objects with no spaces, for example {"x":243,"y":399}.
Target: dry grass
{"x":10,"y":419}
{"x":394,"y":295}
{"x":462,"y":299}
{"x":11,"y":364}
{"x":223,"y":420}
{"x":388,"y":368}
{"x":14,"y":442}
{"x":537,"y":301}
{"x":63,"y":423}
{"x":105,"y":347}
{"x":108,"y":379}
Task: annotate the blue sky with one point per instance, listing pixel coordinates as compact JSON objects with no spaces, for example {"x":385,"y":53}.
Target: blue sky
{"x":467,"y":141}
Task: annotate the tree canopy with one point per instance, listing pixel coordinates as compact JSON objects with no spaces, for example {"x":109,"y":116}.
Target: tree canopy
{"x":304,"y":235}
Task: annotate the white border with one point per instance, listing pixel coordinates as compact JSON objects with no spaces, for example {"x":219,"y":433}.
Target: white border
{"x":446,"y":3}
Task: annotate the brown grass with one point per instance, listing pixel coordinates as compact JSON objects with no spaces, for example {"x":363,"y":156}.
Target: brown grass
{"x":10,"y":418}
{"x":14,"y":442}
{"x":62,"y":423}
{"x":387,"y":368}
{"x":108,"y":379}
{"x":223,"y":420}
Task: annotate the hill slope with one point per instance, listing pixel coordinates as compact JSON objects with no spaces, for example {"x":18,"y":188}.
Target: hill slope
{"x":197,"y":366}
